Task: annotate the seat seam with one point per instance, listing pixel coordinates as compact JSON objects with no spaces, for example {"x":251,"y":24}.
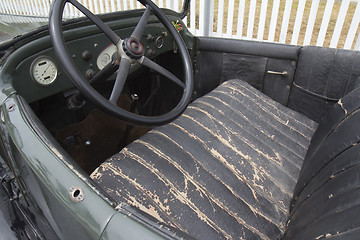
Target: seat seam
{"x":167,"y":158}
{"x":249,"y":143}
{"x":238,"y":176}
{"x":263,"y":133}
{"x":234,"y":149}
{"x":266,"y":100}
{"x":165,"y":180}
{"x":257,"y":126}
{"x":209,"y":196}
{"x":273,"y":116}
{"x":267,"y":217}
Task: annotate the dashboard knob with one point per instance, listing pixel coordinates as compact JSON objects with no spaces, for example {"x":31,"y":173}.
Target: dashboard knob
{"x":86,"y":55}
{"x":150,"y":38}
{"x":90,"y":74}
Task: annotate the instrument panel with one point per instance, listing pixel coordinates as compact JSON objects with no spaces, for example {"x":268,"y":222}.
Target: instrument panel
{"x":39,"y":75}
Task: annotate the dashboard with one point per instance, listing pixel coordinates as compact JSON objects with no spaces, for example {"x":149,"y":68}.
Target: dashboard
{"x":35,"y":72}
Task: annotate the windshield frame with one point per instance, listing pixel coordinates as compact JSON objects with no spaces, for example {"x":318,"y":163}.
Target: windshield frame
{"x":34,"y":25}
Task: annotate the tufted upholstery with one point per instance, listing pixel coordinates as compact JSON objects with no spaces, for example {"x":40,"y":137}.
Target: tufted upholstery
{"x":226,"y":168}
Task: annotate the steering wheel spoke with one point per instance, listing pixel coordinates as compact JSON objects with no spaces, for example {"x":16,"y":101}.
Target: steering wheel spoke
{"x":156,"y":67}
{"x":105,"y":73}
{"x":108,"y":32}
{"x":120,"y":80}
{"x":130,"y":50}
{"x":140,"y":27}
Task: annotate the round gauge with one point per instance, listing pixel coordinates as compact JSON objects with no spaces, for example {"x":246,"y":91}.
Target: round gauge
{"x":159,"y":42}
{"x":44,"y":71}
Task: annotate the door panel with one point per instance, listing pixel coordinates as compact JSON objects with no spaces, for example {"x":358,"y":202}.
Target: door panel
{"x":278,"y":79}
{"x":247,"y":67}
{"x":219,"y":60}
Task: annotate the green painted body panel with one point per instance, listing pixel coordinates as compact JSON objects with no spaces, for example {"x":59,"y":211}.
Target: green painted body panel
{"x":114,"y":230}
{"x":56,"y":178}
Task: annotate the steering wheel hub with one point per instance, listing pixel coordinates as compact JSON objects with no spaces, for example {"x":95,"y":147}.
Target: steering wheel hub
{"x":133,"y":48}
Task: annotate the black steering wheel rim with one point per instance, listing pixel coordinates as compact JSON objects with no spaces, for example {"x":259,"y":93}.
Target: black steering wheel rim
{"x":56,"y":33}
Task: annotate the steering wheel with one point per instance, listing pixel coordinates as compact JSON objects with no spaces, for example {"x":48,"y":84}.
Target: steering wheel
{"x":129,"y":50}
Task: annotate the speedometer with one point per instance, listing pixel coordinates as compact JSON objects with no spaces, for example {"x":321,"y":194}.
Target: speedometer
{"x":43,"y":71}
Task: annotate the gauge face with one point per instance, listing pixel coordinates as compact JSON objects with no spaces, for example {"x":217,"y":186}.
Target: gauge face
{"x":44,"y":71}
{"x":105,"y":56}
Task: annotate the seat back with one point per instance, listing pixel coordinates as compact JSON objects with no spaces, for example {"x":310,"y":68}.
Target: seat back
{"x":326,"y":202}
{"x":322,"y":77}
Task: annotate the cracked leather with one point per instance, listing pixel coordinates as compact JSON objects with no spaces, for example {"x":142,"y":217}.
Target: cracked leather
{"x":326,"y":199}
{"x":226,"y":168}
{"x":323,"y":76}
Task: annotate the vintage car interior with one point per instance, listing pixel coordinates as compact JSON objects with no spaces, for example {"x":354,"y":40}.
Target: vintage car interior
{"x":190,"y":137}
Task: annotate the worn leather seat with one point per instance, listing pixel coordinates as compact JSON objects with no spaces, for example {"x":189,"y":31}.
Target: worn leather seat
{"x":227,"y":167}
{"x":232,"y":166}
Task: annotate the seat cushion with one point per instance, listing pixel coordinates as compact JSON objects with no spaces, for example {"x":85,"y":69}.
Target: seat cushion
{"x":227,"y":167}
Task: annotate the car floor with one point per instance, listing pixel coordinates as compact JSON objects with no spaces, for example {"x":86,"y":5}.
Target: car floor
{"x":96,"y":138}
